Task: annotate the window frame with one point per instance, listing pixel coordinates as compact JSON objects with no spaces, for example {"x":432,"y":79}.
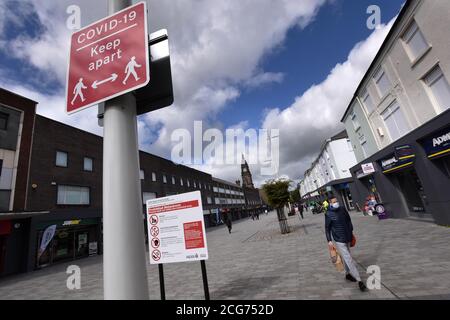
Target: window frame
{"x":73,"y":186}
{"x":429,"y":83}
{"x":84,"y":164}
{"x":408,"y":35}
{"x":377,"y":76}
{"x":5,"y":117}
{"x":56,"y":159}
{"x":365,"y":95}
{"x":390,"y":111}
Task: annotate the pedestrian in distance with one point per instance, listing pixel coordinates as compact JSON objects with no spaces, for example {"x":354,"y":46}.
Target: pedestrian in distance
{"x":300,"y":209}
{"x":339,"y":227}
{"x":229,"y":224}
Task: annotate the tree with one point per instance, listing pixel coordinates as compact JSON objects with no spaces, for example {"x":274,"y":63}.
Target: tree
{"x":277,"y":192}
{"x":295,"y":195}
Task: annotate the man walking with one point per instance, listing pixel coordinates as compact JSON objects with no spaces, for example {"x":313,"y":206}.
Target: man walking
{"x":338,"y":227}
{"x":300,"y":209}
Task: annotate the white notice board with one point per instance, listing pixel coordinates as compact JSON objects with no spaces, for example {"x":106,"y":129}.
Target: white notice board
{"x":176,"y":229}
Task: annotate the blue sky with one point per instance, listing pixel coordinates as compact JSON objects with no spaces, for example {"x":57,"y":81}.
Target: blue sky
{"x":310,"y":53}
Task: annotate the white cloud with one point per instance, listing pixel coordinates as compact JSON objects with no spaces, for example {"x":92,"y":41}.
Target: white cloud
{"x":316,"y":114}
{"x":216,"y":49}
{"x":264,"y":78}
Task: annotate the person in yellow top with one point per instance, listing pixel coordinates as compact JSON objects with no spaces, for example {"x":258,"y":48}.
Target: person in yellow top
{"x":325,"y":205}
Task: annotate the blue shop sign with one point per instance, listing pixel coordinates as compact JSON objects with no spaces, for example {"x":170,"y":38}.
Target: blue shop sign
{"x":403,"y":157}
{"x":438,"y":144}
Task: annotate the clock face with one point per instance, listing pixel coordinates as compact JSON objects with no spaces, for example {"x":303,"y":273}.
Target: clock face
{"x":245,"y":170}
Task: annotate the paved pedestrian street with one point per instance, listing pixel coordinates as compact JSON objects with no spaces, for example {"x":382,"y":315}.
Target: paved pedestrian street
{"x":257,"y":262}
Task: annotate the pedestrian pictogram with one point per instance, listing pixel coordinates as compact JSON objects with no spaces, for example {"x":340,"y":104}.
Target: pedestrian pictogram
{"x":156,"y":255}
{"x":108,"y":58}
{"x":154,"y":219}
{"x":154,"y":231}
{"x":130,"y":70}
{"x":78,"y":91}
{"x":155,"y":243}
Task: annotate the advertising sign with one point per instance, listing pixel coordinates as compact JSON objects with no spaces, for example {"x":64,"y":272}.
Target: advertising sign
{"x":46,"y":238}
{"x":176,"y":229}
{"x":368,"y":168}
{"x":108,"y":58}
{"x":438,"y":144}
{"x":403,"y":157}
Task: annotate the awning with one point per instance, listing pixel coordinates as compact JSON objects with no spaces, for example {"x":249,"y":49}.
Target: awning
{"x":13,"y":215}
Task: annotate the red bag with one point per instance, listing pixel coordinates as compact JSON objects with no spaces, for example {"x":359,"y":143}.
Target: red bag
{"x":353,"y":243}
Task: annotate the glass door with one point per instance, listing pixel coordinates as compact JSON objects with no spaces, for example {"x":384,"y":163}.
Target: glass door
{"x":412,"y":190}
{"x":81,"y":244}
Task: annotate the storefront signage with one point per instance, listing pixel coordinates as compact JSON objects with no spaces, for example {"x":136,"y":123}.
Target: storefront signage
{"x":368,"y":168}
{"x":176,"y":229}
{"x":71,"y":222}
{"x":404,"y":152}
{"x":402,"y":158}
{"x":46,"y":238}
{"x":438,"y":144}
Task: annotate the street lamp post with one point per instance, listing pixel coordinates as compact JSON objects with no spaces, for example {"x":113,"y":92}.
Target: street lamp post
{"x":124,"y":260}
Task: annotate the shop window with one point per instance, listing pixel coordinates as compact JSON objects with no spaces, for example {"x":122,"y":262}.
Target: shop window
{"x":439,"y":88}
{"x":88,"y":164}
{"x":382,"y":82}
{"x":61,"y":159}
{"x":415,"y":42}
{"x":71,"y":195}
{"x":4,"y":121}
{"x":395,"y":121}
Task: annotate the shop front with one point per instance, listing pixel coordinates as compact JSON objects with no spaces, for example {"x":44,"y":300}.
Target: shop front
{"x":400,"y":169}
{"x":410,"y":177}
{"x":72,"y":239}
{"x":62,"y":237}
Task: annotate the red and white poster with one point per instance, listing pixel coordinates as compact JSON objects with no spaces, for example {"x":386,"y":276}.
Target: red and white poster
{"x":176,"y":229}
{"x":108,"y":58}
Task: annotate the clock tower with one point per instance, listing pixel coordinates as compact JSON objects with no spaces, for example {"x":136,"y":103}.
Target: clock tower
{"x":247,"y":181}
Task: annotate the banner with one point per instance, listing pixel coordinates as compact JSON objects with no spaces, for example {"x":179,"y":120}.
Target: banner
{"x":46,"y":238}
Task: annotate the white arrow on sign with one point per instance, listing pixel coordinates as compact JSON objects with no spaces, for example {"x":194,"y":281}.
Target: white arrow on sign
{"x":96,"y":83}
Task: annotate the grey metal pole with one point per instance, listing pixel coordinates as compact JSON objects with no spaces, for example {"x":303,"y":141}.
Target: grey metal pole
{"x":124,"y":260}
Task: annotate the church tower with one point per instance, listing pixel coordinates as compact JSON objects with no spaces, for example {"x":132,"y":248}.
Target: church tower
{"x":247,"y":181}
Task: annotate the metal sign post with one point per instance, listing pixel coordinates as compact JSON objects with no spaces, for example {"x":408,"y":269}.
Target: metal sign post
{"x":162,"y":286}
{"x":205,"y":279}
{"x":124,"y":261}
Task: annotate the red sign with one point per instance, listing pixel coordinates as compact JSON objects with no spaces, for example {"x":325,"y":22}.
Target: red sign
{"x":108,"y":58}
{"x":193,"y":235}
{"x":173,"y":207}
